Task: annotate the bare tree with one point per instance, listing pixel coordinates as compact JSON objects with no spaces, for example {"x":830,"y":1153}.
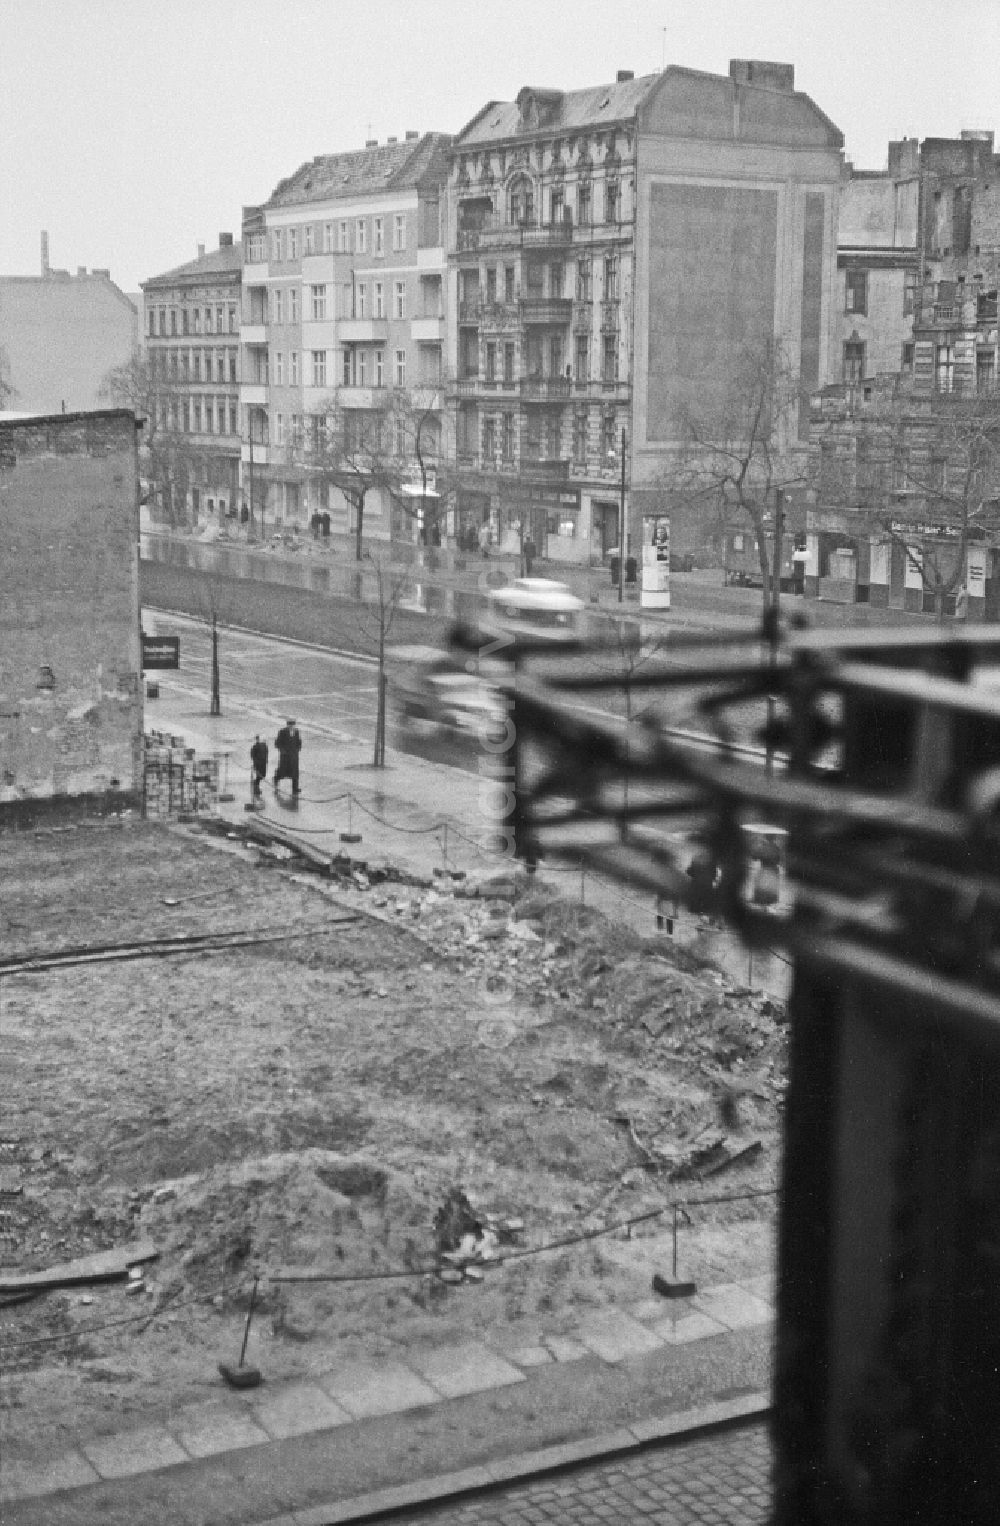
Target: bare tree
{"x":739,"y":455}
{"x":376,"y":621}
{"x":927,"y":475}
{"x":8,"y":391}
{"x":168,"y":460}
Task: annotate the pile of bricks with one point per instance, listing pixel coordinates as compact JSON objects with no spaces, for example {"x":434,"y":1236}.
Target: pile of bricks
{"x":174,"y":780}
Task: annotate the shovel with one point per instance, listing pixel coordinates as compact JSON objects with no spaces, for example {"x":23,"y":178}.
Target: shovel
{"x":243,"y":1375}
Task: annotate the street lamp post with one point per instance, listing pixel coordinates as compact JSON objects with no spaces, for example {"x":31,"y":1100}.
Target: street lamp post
{"x":621,"y":529}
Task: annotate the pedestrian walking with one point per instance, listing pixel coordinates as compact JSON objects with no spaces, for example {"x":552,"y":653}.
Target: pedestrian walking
{"x":289,"y":744}
{"x":484,"y":538}
{"x":530,"y":552}
{"x":258,"y":765}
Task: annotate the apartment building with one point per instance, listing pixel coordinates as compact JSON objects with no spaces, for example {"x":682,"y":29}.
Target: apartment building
{"x":878,"y":265}
{"x":609,"y":251}
{"x":343,"y":303}
{"x":61,"y":334}
{"x":192,"y":343}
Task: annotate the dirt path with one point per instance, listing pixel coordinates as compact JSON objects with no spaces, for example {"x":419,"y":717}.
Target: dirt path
{"x":310,"y":1100}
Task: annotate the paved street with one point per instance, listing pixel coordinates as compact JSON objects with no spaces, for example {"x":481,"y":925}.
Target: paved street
{"x":722,"y":1479}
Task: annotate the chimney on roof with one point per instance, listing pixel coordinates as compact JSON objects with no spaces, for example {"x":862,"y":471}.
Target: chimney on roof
{"x":411,"y":136}
{"x":623,"y":75}
{"x":45,"y":254}
{"x":371,"y":143}
{"x":225,"y":240}
{"x":81,"y":270}
{"x":757,"y":71}
{"x":201,"y":251}
{"x":392,"y":140}
{"x":99,"y":270}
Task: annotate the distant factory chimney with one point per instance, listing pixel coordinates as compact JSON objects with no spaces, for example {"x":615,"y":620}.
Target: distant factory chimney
{"x":45,"y":254}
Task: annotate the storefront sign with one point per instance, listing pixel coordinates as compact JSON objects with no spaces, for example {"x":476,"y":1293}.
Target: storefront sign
{"x":161,"y":652}
{"x":975,"y":572}
{"x":655,"y":592}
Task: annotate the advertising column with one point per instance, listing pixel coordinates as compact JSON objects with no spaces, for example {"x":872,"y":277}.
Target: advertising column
{"x":655,"y":593}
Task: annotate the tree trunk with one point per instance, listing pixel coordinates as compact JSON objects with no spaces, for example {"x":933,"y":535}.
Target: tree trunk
{"x":359,"y":532}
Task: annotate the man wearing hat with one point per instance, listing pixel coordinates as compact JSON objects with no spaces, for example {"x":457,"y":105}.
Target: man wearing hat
{"x":289,"y":745}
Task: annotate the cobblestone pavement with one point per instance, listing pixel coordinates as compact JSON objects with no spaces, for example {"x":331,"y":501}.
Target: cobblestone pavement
{"x":716,"y":1480}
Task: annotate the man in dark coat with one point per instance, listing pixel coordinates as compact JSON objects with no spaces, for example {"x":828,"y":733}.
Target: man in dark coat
{"x":289,"y":745}
{"x":258,"y":764}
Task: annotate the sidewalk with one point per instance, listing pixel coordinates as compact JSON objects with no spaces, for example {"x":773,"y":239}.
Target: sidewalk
{"x":354,"y":1442}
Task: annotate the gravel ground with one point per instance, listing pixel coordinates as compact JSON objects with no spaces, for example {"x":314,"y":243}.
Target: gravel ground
{"x":310,"y":1099}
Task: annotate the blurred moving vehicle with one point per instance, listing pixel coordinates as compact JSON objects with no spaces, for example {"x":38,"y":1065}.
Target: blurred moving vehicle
{"x":435,"y":692}
{"x":534,"y":610}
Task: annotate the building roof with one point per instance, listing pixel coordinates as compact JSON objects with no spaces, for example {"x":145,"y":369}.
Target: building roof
{"x":219,"y":262}
{"x":416,"y":162}
{"x":562,"y":110}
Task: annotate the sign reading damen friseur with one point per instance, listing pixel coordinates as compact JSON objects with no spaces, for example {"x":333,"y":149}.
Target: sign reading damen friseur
{"x":161,"y":652}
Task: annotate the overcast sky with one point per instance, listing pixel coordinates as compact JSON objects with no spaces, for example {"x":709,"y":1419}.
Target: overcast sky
{"x":133,"y":130}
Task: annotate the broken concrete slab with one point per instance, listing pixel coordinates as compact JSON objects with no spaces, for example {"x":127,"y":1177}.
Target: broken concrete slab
{"x":103,"y":1266}
{"x":133,"y":1452}
{"x":615,"y":1337}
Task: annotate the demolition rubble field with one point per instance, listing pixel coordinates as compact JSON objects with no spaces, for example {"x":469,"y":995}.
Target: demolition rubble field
{"x":257,"y":1069}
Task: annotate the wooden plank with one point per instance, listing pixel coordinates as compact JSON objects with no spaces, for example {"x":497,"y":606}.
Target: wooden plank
{"x":103,"y":1266}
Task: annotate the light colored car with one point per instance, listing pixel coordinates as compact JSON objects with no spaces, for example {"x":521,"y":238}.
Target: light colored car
{"x":535,"y":610}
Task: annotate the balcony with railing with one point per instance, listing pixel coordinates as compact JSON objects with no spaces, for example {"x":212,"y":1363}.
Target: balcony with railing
{"x":498,"y":231}
{"x":548,"y":311}
{"x":546,"y":389}
{"x":362,"y":330}
{"x":470,"y":309}
{"x":542,"y":468}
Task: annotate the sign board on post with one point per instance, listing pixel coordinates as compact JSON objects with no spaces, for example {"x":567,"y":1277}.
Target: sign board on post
{"x":161,"y":652}
{"x":655,"y":592}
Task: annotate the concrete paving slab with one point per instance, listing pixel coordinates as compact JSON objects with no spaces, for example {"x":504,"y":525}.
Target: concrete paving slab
{"x":564,"y":1348}
{"x":132,"y":1452}
{"x":731,"y":1305}
{"x":467,"y":1368}
{"x":529,"y":1356}
{"x":646,"y":1309}
{"x":365,"y":1389}
{"x":685,"y":1326}
{"x":24,"y":1480}
{"x":205,"y":1429}
{"x":296,"y":1409}
{"x":615,"y":1337}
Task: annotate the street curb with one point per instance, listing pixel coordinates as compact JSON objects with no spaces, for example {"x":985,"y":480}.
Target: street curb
{"x":523,"y":1467}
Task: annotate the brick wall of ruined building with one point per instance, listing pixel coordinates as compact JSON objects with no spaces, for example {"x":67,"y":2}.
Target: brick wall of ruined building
{"x":70,"y":695}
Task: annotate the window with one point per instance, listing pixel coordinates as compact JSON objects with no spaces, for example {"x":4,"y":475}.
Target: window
{"x":507,"y":437}
{"x":557,"y":278}
{"x":328,"y":238}
{"x":379,"y":235}
{"x":609,"y":436}
{"x":293,"y":304}
{"x":521,"y":201}
{"x":508,"y":283}
{"x":197,"y":415}
{"x":380,"y":368}
{"x":985,"y":370}
{"x":907,"y":358}
{"x":293,"y":367}
{"x":196,"y":365}
{"x":152,"y":322}
{"x":583,"y":205}
{"x":196,"y":320}
{"x":293,"y":243}
{"x":580,"y":436}
{"x":230,"y":317}
{"x":400,"y":368}
{"x":609,"y":358}
{"x":489,"y":439}
{"x":279,"y":429}
{"x":361,"y":236}
{"x":255,"y":248}
{"x":944,"y":368}
{"x":342,"y":244}
{"x":856,"y":291}
{"x":220,"y":320}
{"x":233,"y":372}
{"x":319,"y":368}
{"x":277,"y":244}
{"x":399,"y":230}
{"x":279,"y":305}
{"x":584,"y":277}
{"x":937,"y":474}
{"x":209,"y":415}
{"x":279,"y":369}
{"x":173,"y":322}
{"x":379,"y":299}
{"x":610,"y":277}
{"x":399,"y":299}
{"x":220,"y":365}
{"x":508,"y":364}
{"x":346,"y":368}
{"x":491,"y":361}
{"x":582,"y":358}
{"x":909,"y":290}
{"x":361,"y":300}
{"x":233,"y":420}
{"x":557,"y":205}
{"x":310,"y":239}
{"x":362,"y":368}
{"x":612,"y":201}
{"x":491,"y":284}
{"x":854,"y":360}
{"x":318,"y":302}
